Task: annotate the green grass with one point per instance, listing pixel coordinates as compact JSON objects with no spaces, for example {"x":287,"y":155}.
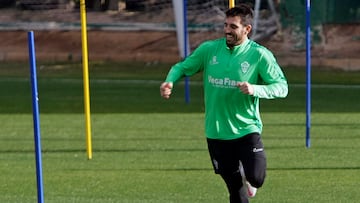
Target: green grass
{"x":146,"y":149}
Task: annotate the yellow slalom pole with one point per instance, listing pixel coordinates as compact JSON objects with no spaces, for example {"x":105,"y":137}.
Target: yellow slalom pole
{"x":231,"y":3}
{"x":85,"y":78}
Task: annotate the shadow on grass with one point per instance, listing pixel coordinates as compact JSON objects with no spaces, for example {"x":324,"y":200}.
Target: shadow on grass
{"x":20,"y":151}
{"x":211,"y":169}
{"x":314,"y":168}
{"x":142,"y":96}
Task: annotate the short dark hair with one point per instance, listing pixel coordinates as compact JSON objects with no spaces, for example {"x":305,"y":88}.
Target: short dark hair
{"x":244,"y":11}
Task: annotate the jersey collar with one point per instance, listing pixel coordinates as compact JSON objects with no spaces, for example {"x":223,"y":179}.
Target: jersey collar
{"x":239,"y":47}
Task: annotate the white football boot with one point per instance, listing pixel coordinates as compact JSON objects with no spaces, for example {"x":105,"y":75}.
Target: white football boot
{"x":249,"y":190}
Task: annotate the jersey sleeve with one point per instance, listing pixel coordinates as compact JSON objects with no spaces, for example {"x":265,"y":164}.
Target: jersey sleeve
{"x":274,"y":83}
{"x":188,"y":67}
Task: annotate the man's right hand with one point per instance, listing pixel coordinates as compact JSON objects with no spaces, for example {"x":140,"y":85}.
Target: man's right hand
{"x":165,"y":89}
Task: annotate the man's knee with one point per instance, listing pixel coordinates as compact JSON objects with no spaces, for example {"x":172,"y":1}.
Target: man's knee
{"x":256,"y":180}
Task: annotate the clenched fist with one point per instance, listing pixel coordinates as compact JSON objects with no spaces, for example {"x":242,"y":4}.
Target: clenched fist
{"x":165,"y":89}
{"x":246,"y":88}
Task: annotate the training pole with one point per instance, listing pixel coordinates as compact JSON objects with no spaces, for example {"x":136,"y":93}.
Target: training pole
{"x":308,"y":74}
{"x":179,"y":8}
{"x":231,"y":3}
{"x":36,"y":119}
{"x":85,"y":79}
{"x":187,"y":80}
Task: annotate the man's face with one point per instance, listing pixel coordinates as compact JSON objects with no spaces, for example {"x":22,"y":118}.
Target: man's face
{"x":235,"y":32}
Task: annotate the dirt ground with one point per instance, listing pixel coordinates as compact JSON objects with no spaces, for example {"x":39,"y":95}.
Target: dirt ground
{"x":340,"y":47}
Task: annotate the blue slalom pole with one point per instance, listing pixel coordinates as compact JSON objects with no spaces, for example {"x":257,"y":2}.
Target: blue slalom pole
{"x":187,"y":80}
{"x":35,"y":105}
{"x":308,"y":74}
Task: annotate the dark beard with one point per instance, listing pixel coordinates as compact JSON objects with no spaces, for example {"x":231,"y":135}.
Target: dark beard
{"x":228,"y":43}
{"x":231,"y":46}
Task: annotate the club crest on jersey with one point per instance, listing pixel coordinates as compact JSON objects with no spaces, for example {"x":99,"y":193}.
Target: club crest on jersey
{"x":244,"y":66}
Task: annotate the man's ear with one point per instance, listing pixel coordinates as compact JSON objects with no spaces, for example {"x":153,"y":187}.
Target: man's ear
{"x":248,"y":29}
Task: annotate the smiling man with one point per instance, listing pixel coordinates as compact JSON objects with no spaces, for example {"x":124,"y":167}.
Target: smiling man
{"x":237,"y":73}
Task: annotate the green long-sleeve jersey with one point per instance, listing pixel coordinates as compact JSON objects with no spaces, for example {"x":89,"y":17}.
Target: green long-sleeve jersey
{"x":229,"y":113}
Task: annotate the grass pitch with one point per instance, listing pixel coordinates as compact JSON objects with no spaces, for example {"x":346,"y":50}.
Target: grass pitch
{"x":146,"y":149}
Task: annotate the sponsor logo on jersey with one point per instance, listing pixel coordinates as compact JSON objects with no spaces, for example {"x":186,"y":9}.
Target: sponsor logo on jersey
{"x":222,"y":82}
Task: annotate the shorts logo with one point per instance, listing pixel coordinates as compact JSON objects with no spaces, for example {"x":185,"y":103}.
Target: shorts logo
{"x":216,"y":164}
{"x":258,"y":150}
{"x":245,"y":66}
